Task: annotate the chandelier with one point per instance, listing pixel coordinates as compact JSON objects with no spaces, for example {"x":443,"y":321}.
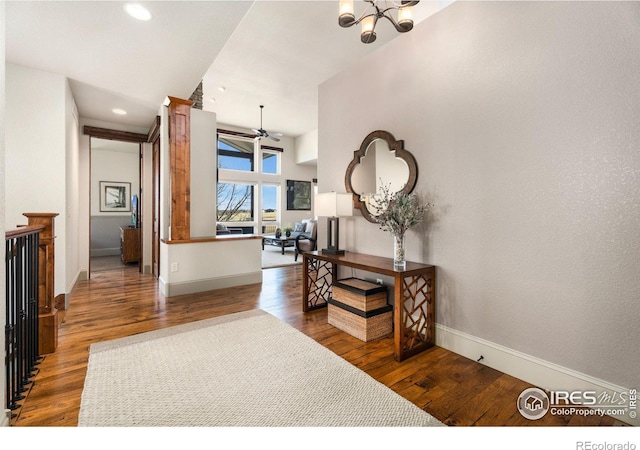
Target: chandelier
{"x":373,"y":12}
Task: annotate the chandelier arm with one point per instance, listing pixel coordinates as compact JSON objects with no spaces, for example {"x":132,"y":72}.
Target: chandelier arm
{"x":393,"y":21}
{"x":364,"y":14}
{"x":362,"y":18}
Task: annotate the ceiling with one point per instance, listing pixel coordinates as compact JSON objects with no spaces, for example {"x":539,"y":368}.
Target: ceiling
{"x":271,"y":53}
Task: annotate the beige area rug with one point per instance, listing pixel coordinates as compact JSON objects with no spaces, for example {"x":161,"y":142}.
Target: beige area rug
{"x":247,"y":369}
{"x":272,"y":257}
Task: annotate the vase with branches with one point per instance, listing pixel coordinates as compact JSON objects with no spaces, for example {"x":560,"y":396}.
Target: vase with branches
{"x":397,"y":212}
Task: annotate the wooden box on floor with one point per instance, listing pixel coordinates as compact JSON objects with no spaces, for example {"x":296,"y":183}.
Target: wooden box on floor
{"x":359,"y":294}
{"x":360,"y":308}
{"x":365,"y":326}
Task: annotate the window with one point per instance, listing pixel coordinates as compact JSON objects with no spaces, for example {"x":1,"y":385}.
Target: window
{"x":235,"y":202}
{"x":238,"y":153}
{"x":269,"y":207}
{"x":249,"y":186}
{"x":235,"y":154}
{"x":270,"y":162}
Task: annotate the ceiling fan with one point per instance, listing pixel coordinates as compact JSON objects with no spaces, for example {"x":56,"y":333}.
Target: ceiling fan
{"x":262,"y":133}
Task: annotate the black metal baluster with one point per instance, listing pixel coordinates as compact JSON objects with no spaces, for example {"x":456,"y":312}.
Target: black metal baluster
{"x":21,"y":315}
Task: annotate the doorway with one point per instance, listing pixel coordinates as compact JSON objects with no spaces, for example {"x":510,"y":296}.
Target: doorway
{"x":115,"y":233}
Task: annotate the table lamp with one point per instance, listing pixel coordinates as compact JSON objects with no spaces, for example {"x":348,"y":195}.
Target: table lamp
{"x":333,"y":205}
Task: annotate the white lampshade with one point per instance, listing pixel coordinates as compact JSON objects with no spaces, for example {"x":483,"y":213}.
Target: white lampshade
{"x":346,"y":7}
{"x":405,"y":15}
{"x":333,"y":204}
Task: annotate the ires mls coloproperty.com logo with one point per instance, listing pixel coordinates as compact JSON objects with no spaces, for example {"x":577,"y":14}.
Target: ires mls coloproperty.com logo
{"x":534,"y":403}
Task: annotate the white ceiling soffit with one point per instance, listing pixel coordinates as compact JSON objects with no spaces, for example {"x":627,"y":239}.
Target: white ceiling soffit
{"x":272,"y":53}
{"x":98,"y":144}
{"x":278,"y":56}
{"x":115,"y":61}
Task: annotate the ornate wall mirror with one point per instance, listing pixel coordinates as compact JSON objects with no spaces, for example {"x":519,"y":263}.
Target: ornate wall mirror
{"x":381,"y":160}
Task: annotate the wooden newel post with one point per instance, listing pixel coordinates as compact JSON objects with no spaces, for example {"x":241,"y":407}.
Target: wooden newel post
{"x":48,"y":314}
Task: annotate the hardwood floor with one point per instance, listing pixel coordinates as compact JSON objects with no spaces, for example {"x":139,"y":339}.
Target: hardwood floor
{"x":119,"y":303}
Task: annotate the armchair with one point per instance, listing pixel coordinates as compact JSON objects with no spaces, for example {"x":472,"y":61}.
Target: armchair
{"x":307,"y":241}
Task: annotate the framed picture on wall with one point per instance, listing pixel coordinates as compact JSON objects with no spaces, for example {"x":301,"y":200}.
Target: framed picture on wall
{"x":299,"y":195}
{"x":115,"y":196}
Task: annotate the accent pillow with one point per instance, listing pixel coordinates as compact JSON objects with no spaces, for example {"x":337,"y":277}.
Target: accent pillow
{"x":309,"y":228}
{"x":299,"y":228}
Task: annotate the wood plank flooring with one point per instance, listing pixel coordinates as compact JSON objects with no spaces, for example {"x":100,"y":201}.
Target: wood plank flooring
{"x":118,"y":303}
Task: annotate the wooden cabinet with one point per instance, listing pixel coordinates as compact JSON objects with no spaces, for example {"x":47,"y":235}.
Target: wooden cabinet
{"x":129,"y":244}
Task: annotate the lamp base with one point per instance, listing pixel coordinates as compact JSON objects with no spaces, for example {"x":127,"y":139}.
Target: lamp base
{"x":332,"y":251}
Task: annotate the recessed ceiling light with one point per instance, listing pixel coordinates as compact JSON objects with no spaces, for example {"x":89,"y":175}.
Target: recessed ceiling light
{"x":213,"y":100}
{"x":137,"y":11}
{"x":222,"y":88}
{"x":119,"y":111}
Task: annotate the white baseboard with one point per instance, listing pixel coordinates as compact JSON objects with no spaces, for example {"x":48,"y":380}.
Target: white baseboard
{"x":538,"y":372}
{"x":192,"y":287}
{"x":5,"y":418}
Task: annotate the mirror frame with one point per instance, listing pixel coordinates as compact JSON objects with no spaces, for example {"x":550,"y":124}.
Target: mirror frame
{"x":401,"y":153}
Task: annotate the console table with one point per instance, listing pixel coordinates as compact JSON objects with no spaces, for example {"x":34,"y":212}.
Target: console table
{"x":414,"y":294}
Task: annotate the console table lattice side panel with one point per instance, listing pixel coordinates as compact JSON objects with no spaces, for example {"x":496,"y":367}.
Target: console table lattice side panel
{"x":414,"y":293}
{"x":417,"y":314}
{"x":318,"y":281}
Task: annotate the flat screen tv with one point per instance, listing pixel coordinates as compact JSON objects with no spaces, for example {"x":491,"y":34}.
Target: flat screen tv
{"x":135,"y":218}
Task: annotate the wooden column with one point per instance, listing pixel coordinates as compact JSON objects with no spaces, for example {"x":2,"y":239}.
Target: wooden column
{"x":48,"y":314}
{"x":180,"y":167}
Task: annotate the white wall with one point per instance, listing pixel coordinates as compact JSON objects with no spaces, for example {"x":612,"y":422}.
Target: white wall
{"x":523,"y":118}
{"x":203,"y":173}
{"x":72,"y":178}
{"x":35,"y":155}
{"x":306,"y":148}
{"x":120,"y":163}
{"x":4,"y":420}
{"x":208,"y":265}
{"x":117,"y":162}
{"x":84,"y":202}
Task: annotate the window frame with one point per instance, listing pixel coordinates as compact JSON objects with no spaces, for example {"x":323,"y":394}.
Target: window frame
{"x":256,"y":178}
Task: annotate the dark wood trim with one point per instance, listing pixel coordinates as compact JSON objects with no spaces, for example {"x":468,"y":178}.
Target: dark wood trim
{"x":154,"y":131}
{"x":275,"y":149}
{"x":249,"y":136}
{"x":180,"y":167}
{"x":155,"y":208}
{"x":47,"y":311}
{"x":115,"y":135}
{"x":60,"y":302}
{"x":236,"y":133}
{"x":24,"y":230}
{"x":236,"y":154}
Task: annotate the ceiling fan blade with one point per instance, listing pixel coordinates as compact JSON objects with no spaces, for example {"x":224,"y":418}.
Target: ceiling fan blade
{"x":260,"y":133}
